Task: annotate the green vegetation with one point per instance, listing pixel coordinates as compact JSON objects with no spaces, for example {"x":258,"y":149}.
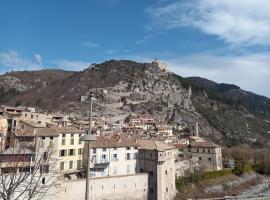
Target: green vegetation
{"x":196,"y":89}
{"x":184,"y":182}
{"x":6,"y":95}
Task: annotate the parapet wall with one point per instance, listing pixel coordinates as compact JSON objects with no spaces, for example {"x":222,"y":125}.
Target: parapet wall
{"x":132,"y":187}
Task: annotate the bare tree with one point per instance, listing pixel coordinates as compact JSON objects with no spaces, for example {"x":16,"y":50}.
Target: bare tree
{"x":27,"y":174}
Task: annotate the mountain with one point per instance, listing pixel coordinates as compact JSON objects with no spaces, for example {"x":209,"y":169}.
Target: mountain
{"x":16,"y":83}
{"x":125,"y":87}
{"x":254,"y":103}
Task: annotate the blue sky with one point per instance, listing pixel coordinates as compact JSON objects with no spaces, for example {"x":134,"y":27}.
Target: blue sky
{"x":224,"y":40}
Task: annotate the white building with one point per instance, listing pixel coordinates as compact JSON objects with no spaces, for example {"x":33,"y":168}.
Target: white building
{"x":114,"y":155}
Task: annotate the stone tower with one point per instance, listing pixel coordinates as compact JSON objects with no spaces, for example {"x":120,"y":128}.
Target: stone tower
{"x":194,"y":129}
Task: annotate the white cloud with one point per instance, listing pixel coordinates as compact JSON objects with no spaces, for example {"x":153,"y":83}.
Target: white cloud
{"x":38,"y":58}
{"x":250,"y":72}
{"x":12,"y":60}
{"x":90,"y":44}
{"x":70,"y":64}
{"x":110,"y":51}
{"x":240,"y":22}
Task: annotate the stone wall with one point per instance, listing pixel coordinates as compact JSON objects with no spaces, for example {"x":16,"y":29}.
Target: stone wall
{"x":132,"y":187}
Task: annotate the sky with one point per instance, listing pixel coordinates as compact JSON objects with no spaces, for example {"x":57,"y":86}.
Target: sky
{"x":226,"y":41}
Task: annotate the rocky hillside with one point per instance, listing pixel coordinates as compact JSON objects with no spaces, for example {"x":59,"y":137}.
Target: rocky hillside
{"x":125,"y":87}
{"x":254,"y":103}
{"x":16,"y":83}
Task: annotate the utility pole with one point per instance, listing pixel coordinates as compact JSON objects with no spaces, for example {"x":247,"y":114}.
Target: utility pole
{"x":88,"y":138}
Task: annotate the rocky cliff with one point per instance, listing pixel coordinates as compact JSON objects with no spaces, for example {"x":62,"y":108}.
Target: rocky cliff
{"x":123,"y":87}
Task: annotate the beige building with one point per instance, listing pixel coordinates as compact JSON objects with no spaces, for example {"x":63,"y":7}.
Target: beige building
{"x":157,"y":159}
{"x":38,"y":118}
{"x":63,"y":141}
{"x":3,"y":133}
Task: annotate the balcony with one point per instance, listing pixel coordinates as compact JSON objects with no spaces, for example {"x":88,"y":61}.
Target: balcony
{"x":102,"y":163}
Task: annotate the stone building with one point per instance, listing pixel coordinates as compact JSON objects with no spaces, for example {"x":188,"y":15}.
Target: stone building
{"x":208,"y":153}
{"x":157,"y":159}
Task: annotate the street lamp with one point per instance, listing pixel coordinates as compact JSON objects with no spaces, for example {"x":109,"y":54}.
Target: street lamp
{"x":88,"y":138}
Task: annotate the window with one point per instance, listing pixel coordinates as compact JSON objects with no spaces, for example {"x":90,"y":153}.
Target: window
{"x":45,"y":155}
{"x":80,"y":151}
{"x":167,"y":189}
{"x":151,"y":173}
{"x":51,"y":138}
{"x":79,"y":164}
{"x":72,"y":152}
{"x":103,"y":158}
{"x":104,"y":149}
{"x":209,"y":159}
{"x":70,"y":164}
{"x":136,"y":147}
{"x":25,"y":115}
{"x":114,"y":157}
{"x":128,"y":169}
{"x":166,"y":172}
{"x":200,"y":158}
{"x":22,"y":126}
{"x":94,"y":158}
{"x":43,"y":181}
{"x":114,"y":170}
{"x":114,"y":148}
{"x":94,"y":150}
{"x":197,"y":150}
{"x":51,"y":144}
{"x":32,"y":116}
{"x":62,"y":166}
{"x":44,"y":169}
{"x":62,"y":153}
{"x":80,"y":141}
{"x":150,"y":155}
{"x":209,"y":151}
{"x":72,"y":141}
{"x":203,"y":150}
{"x":135,"y":156}
{"x":63,"y":141}
{"x":128,"y":148}
{"x":127,"y":156}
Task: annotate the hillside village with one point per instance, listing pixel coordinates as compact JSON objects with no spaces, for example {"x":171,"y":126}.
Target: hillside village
{"x":137,"y":150}
{"x":148,"y":135}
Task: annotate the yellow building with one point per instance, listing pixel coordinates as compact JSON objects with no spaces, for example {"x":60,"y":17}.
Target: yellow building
{"x":3,"y":132}
{"x":70,"y":150}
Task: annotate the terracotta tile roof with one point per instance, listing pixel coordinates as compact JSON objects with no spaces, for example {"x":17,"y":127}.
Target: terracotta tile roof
{"x":204,"y":144}
{"x":23,"y":133}
{"x":115,"y":140}
{"x":154,"y":145}
{"x":46,"y":132}
{"x":32,"y":124}
{"x":69,"y":129}
{"x":181,"y":146}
